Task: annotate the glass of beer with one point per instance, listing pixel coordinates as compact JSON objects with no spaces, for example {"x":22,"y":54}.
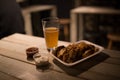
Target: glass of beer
{"x":51,"y":31}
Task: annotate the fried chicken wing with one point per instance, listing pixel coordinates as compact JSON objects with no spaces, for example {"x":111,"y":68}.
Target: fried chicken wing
{"x":74,"y":52}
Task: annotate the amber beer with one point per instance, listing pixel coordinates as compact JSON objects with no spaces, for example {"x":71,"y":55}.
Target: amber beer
{"x":51,"y":36}
{"x":51,"y":31}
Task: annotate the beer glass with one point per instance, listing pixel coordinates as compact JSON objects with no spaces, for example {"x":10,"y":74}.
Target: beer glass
{"x":51,"y":31}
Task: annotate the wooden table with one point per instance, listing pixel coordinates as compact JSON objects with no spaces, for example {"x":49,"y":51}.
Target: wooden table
{"x":15,"y":66}
{"x":77,"y":22}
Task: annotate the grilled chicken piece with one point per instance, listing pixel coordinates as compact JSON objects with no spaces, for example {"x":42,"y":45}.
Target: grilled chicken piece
{"x":57,"y":49}
{"x":74,"y":52}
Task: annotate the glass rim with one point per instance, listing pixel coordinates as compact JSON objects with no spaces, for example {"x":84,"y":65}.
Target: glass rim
{"x":49,"y":18}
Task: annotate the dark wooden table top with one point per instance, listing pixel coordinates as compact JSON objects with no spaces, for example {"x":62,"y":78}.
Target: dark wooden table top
{"x":15,"y":66}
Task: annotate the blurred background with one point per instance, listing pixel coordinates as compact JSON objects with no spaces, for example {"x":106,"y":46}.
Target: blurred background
{"x":102,"y":29}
